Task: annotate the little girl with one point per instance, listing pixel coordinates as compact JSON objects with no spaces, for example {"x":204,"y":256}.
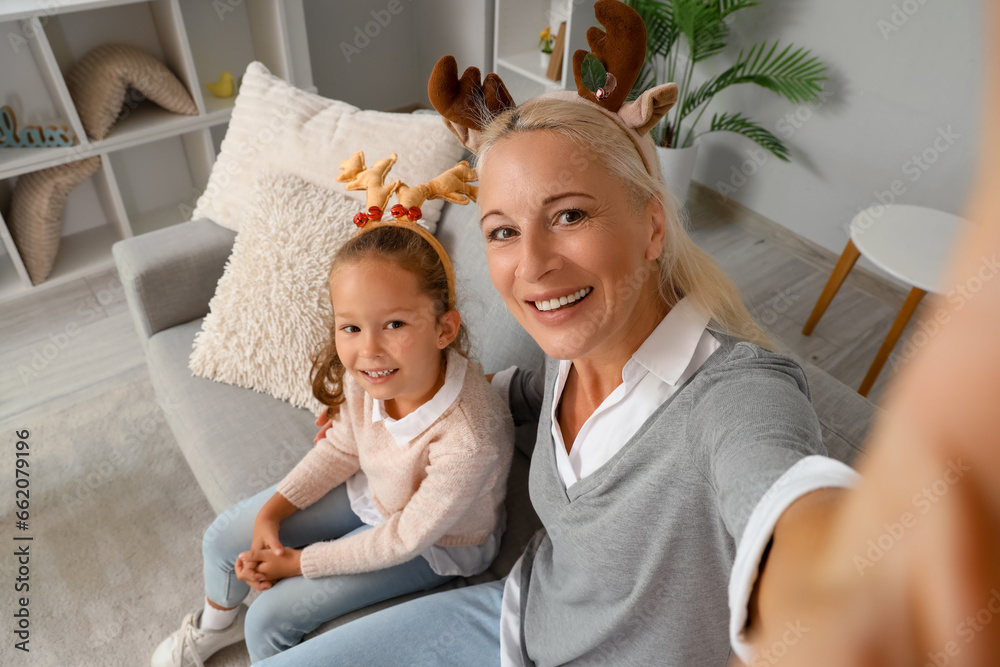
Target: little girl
{"x":404,"y":491}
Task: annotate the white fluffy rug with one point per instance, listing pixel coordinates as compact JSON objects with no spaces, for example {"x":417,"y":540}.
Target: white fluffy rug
{"x":117,"y":519}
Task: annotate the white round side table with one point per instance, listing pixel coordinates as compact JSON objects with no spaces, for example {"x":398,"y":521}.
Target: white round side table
{"x":911,"y":243}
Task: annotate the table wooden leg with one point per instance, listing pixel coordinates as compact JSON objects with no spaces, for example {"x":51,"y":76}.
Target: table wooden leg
{"x":840,"y":271}
{"x":905,"y":313}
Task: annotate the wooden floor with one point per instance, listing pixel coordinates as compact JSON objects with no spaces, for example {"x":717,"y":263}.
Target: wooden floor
{"x":70,"y":341}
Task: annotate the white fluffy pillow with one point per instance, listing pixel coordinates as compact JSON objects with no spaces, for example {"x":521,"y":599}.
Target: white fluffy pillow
{"x":269,"y":310}
{"x":278,"y":127}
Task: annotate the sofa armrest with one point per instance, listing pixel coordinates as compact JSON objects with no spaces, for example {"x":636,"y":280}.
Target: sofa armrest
{"x":169,"y":275}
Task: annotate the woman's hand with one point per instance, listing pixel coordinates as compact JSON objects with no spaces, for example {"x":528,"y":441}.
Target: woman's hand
{"x":324,"y":422}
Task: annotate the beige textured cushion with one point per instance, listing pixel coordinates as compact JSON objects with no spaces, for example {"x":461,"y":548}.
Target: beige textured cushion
{"x":270,"y":307}
{"x":36,"y":212}
{"x":278,"y":127}
{"x":99,"y":82}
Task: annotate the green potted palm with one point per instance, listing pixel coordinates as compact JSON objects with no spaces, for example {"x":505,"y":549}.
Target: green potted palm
{"x":793,"y":73}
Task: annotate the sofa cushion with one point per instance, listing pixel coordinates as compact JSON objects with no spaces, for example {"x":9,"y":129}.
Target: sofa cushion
{"x":845,"y":416}
{"x":279,"y":127}
{"x":271,"y":309}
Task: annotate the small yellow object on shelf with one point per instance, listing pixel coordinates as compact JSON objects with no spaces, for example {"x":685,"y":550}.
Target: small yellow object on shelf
{"x":224,"y":87}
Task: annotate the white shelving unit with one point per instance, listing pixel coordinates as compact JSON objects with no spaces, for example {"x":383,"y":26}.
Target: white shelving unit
{"x":154,"y":164}
{"x":515,"y":42}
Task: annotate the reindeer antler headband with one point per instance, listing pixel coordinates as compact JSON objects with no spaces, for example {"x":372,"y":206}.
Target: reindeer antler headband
{"x":452,"y":185}
{"x":619,"y":52}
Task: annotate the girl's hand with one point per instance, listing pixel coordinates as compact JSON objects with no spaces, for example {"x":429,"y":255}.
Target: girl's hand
{"x":272,"y":567}
{"x":246,"y":570}
{"x":324,"y":423}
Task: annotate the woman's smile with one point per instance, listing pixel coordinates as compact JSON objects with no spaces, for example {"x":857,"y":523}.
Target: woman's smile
{"x":550,"y":303}
{"x":573,"y":257}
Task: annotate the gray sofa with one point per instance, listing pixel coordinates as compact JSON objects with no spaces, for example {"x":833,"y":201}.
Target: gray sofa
{"x":238,"y":442}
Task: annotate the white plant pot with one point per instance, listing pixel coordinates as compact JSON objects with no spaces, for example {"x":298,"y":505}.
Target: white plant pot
{"x":677,"y":166}
{"x":546,"y":57}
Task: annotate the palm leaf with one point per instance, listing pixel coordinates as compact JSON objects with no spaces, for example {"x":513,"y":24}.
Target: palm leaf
{"x":742,"y":125}
{"x":702,"y":25}
{"x":795,"y":75}
{"x":661,"y":31}
{"x":727,"y":7}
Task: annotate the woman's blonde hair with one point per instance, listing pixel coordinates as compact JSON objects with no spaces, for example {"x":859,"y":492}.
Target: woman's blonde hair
{"x":684,"y":268}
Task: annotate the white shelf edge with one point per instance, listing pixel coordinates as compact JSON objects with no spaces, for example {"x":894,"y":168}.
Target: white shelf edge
{"x":42,"y":158}
{"x":15,"y":10}
{"x":177,"y":49}
{"x":518,"y":63}
{"x":15,"y":256}
{"x":111,"y":198}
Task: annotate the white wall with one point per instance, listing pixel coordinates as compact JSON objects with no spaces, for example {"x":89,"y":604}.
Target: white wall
{"x":892,"y":93}
{"x":378,"y":54}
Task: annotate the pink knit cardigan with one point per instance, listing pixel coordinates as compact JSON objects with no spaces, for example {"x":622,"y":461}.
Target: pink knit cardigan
{"x":445,"y":487}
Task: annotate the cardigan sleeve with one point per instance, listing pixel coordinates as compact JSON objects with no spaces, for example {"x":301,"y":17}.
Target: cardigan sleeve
{"x":453,"y":481}
{"x":526,"y":391}
{"x":329,"y":463}
{"x":752,"y":423}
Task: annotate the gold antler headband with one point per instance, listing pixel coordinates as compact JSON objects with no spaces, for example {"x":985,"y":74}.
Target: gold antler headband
{"x":453,"y":185}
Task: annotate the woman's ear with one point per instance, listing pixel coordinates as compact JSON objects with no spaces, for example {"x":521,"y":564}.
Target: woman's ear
{"x":448,"y":325}
{"x":656,"y":216}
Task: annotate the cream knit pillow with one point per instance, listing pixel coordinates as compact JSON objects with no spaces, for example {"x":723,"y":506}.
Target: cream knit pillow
{"x":278,"y":127}
{"x":270,"y":308}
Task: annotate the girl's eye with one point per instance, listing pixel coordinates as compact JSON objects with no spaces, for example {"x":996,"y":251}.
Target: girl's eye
{"x":395,"y":324}
{"x":350,"y":328}
{"x":501,"y":234}
{"x":570,"y":216}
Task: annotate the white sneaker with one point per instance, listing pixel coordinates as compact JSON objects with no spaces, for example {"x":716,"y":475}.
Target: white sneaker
{"x":191,"y":646}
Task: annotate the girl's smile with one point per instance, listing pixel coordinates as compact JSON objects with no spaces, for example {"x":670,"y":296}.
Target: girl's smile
{"x":388,"y":335}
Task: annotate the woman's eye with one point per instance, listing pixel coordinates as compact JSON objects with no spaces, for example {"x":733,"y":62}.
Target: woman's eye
{"x":571,"y":216}
{"x":395,"y":324}
{"x":501,"y":234}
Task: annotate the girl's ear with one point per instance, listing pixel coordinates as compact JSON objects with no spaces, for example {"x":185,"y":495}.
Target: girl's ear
{"x":448,"y":325}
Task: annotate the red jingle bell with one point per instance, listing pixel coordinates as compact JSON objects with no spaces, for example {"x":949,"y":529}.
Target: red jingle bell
{"x":374,"y":213}
{"x":360,"y":219}
{"x":414,"y":214}
{"x":398,"y":211}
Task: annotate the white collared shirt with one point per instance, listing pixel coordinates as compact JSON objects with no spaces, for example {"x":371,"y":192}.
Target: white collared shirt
{"x":446,"y":561}
{"x":672,"y":353}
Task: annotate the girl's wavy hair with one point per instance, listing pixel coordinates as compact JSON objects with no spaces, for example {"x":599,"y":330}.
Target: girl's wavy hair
{"x":400,"y":247}
{"x":684,"y":269}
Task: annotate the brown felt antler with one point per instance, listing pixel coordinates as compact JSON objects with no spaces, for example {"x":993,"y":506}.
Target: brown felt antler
{"x":621,"y":49}
{"x":459,"y":100}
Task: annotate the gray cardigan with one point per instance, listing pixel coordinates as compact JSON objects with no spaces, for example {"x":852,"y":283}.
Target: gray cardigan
{"x":633,"y":563}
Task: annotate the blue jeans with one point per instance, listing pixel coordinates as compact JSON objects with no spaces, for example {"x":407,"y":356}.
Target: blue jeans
{"x":456,"y":628}
{"x":283,"y":614}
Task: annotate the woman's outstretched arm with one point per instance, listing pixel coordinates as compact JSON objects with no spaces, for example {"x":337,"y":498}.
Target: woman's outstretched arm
{"x":905,"y":568}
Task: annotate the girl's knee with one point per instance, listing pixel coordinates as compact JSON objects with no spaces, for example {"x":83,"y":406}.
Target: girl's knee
{"x":232,"y":531}
{"x":269,"y":629}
